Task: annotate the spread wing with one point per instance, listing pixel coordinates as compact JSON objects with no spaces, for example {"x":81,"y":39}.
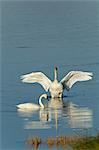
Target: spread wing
{"x":75,"y":76}
{"x":38,"y":77}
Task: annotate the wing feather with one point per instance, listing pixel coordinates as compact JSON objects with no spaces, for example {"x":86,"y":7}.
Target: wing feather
{"x":38,"y":77}
{"x":75,"y":76}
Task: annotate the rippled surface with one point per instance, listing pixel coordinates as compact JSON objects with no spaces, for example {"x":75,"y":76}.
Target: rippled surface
{"x":35,"y":37}
{"x":74,"y":116}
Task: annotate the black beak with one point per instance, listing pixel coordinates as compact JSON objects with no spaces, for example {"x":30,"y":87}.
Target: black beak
{"x":48,"y":97}
{"x":56,"y":68}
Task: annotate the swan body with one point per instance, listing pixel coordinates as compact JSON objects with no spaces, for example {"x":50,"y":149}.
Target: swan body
{"x":32,"y":106}
{"x":55,"y":87}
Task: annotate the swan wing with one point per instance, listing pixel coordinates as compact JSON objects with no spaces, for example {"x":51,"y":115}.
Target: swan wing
{"x":38,"y":77}
{"x":75,"y":76}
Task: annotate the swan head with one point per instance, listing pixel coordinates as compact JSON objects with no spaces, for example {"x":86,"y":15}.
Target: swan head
{"x":55,"y":73}
{"x":44,"y":96}
{"x":56,"y":68}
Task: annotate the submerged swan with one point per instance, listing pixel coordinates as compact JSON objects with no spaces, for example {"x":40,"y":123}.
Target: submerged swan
{"x":32,"y":106}
{"x":56,"y":88}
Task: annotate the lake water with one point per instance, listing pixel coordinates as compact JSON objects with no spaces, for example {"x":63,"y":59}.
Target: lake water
{"x":36,"y":36}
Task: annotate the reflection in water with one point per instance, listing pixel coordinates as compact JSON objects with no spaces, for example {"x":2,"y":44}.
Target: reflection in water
{"x":26,"y":113}
{"x":55,"y":103}
{"x":58,"y":111}
{"x":36,"y":125}
{"x":79,"y":117}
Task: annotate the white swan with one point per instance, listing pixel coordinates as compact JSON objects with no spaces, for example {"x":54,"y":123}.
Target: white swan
{"x":32,"y":106}
{"x":56,"y":88}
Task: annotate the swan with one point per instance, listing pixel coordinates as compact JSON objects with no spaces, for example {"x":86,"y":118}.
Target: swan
{"x":32,"y":106}
{"x":55,"y":87}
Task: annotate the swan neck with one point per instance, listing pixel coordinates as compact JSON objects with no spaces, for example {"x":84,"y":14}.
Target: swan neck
{"x":55,"y":74}
{"x":40,"y":102}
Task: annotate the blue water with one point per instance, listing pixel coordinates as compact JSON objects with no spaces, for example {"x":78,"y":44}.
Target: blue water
{"x":36,"y":36}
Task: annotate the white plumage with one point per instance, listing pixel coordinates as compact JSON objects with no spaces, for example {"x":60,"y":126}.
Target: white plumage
{"x":38,"y":77}
{"x":32,"y":106}
{"x":56,"y":88}
{"x":74,"y":76}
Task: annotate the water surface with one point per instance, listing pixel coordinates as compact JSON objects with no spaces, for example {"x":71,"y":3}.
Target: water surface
{"x":36,"y":36}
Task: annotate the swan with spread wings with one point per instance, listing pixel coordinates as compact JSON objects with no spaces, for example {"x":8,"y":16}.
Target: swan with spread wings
{"x":55,"y":87}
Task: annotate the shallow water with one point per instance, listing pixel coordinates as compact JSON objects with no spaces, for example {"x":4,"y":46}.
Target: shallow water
{"x":36,"y":36}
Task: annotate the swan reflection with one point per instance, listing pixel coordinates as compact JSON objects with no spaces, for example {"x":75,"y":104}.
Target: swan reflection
{"x":79,"y":117}
{"x":57,"y":113}
{"x":36,"y":125}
